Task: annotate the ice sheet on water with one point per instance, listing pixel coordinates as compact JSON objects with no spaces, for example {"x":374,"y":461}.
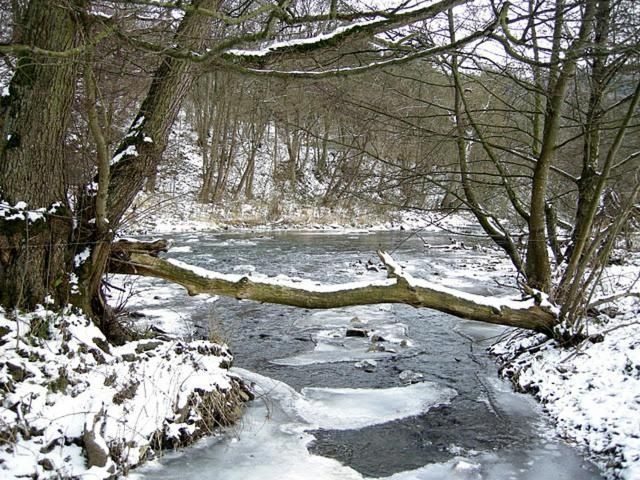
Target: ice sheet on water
{"x":266,"y":448}
{"x":369,"y":314}
{"x":270,"y":444}
{"x":350,"y":408}
{"x":272,"y":440}
{"x":181,"y":249}
{"x":348,"y":351}
{"x":333,"y":345}
{"x":353,"y":408}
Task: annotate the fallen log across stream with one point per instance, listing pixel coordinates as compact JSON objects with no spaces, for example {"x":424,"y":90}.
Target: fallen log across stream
{"x":139,"y":258}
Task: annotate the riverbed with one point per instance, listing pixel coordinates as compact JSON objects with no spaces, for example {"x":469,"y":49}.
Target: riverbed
{"x":381,"y":391}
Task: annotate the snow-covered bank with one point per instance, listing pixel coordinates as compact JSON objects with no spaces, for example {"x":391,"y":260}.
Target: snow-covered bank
{"x":72,"y":406}
{"x":156,"y":214}
{"x":592,"y":391}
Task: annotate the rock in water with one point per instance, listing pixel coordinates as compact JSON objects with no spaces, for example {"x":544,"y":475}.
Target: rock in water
{"x":356,"y":332}
{"x":409,"y":377}
{"x":367,"y":365}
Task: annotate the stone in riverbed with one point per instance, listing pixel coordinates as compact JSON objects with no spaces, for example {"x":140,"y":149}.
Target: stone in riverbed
{"x":409,"y":377}
{"x":356,"y":332}
{"x":367,"y":365}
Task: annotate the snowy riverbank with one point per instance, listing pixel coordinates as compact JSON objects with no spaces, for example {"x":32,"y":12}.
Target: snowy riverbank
{"x":72,"y":406}
{"x":166,"y":214}
{"x":592,"y":391}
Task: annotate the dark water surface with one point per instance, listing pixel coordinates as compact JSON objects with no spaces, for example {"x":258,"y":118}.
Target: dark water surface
{"x":499,"y":433}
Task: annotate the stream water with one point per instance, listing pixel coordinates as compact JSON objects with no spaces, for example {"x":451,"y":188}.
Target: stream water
{"x":416,"y":398}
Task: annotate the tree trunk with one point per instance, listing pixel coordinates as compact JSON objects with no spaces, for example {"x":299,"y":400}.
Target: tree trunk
{"x":538,"y":265}
{"x":138,"y":156}
{"x":42,"y":256}
{"x":35,"y":253}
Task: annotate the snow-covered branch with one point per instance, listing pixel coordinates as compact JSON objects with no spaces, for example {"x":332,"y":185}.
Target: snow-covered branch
{"x":377,"y":24}
{"x":400,"y":287}
{"x":389,"y":62}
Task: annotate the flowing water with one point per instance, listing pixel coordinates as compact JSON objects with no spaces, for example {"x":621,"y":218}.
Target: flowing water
{"x":416,"y":398}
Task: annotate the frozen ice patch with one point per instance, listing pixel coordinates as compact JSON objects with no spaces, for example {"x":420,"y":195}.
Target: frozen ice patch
{"x":351,"y":408}
{"x":183,"y":249}
{"x":328,"y":353}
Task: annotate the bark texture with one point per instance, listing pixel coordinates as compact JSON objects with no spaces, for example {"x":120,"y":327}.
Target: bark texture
{"x":33,"y":254}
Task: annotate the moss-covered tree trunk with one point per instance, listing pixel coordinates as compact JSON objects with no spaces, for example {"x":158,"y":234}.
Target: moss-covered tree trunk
{"x":35,"y":243}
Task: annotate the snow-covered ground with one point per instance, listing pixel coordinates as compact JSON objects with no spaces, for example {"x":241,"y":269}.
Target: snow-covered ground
{"x":72,"y":406}
{"x":592,"y":390}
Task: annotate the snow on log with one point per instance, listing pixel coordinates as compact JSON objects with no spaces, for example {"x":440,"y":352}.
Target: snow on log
{"x":400,"y":287}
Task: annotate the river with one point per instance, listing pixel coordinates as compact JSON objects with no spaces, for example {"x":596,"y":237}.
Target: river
{"x":416,"y":398}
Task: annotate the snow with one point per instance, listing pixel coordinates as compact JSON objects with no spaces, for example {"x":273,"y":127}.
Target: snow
{"x":138,"y":123}
{"x":283,"y":45}
{"x":20,"y":211}
{"x":593,"y":390}
{"x":177,"y":14}
{"x":81,"y":257}
{"x":130,"y":151}
{"x":61,"y":383}
{"x":73,"y":281}
{"x":494,"y":302}
{"x":280,"y":45}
